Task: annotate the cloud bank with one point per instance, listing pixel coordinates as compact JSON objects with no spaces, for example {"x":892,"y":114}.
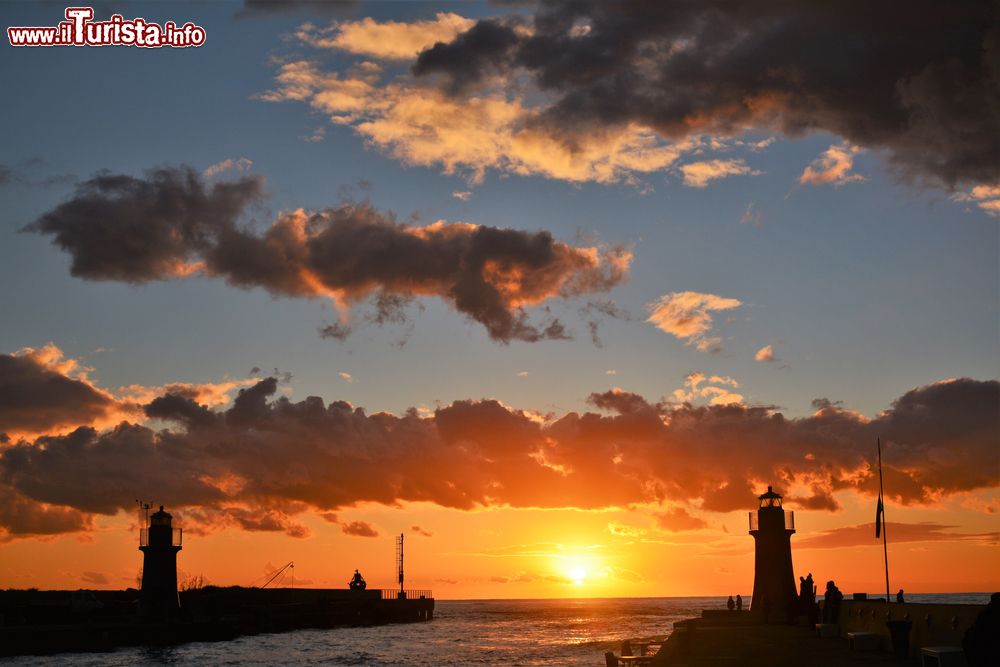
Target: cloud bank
{"x":262,"y":460}
{"x":927,"y":99}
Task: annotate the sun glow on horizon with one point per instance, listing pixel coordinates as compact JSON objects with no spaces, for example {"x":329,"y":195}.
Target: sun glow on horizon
{"x":578,"y":570}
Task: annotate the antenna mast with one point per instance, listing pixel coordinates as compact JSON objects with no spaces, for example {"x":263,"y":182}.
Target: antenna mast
{"x":399,"y":563}
{"x":144,"y":508}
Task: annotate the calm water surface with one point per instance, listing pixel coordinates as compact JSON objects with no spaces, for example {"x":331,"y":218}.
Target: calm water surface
{"x":480,"y":632}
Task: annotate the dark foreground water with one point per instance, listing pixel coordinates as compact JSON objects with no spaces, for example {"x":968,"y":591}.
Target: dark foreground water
{"x":479,"y":632}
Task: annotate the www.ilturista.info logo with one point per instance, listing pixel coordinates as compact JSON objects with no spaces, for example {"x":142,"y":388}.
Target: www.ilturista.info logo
{"x":79,"y":29}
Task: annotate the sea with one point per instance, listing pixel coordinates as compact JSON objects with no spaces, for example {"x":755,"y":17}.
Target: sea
{"x":463,"y":632}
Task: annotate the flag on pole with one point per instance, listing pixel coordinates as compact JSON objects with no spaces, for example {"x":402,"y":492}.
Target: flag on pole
{"x":878,"y":517}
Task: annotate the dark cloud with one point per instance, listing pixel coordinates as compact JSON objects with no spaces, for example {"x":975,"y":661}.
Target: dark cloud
{"x":274,"y":458}
{"x":423,"y":532}
{"x":173,"y":223}
{"x":484,"y":49}
{"x":359,"y":529}
{"x":202,"y":521}
{"x":920,"y":82}
{"x":96,"y":578}
{"x":36,"y":398}
{"x":22,"y":517}
{"x":135,"y":230}
{"x":29,"y":173}
{"x":336,"y":331}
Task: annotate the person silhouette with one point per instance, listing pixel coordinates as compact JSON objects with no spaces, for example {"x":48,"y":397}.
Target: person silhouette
{"x":730,"y":604}
{"x":739,"y":602}
{"x":981,"y":642}
{"x":831,"y":602}
{"x":899,"y":597}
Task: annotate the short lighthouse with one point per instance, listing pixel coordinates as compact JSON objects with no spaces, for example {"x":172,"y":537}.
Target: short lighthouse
{"x":773,"y":580}
{"x":159,"y":543}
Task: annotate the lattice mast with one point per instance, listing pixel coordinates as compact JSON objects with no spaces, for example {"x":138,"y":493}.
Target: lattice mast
{"x":399,"y":563}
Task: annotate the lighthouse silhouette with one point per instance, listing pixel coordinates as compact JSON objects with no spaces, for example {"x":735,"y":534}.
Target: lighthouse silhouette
{"x":773,"y":581}
{"x":159,"y":544}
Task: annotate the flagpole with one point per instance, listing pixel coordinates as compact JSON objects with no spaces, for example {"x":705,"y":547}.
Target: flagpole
{"x":885,"y":547}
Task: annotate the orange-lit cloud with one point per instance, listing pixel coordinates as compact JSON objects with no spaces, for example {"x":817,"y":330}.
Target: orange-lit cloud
{"x":391,"y":40}
{"x":765,"y":354}
{"x":687,"y":316}
{"x":173,"y":223}
{"x":421,"y":125}
{"x":265,"y":459}
{"x":832,"y":167}
{"x":699,"y":174}
{"x":986,"y":197}
{"x":716,"y":390}
{"x":42,"y":392}
{"x":229,"y":164}
{"x":211,"y":394}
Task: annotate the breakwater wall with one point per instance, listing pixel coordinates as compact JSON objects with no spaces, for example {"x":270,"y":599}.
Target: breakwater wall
{"x":39,"y":622}
{"x":933,"y":624}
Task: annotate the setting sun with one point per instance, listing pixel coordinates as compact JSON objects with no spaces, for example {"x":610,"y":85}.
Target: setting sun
{"x":578,"y":574}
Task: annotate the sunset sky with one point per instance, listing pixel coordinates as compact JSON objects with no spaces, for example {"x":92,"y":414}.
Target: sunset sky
{"x":553,"y":289}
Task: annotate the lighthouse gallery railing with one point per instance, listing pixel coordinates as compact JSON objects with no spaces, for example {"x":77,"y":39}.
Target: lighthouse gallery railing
{"x":789,"y":521}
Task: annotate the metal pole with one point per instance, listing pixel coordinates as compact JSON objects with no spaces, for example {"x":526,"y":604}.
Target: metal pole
{"x":885,"y":547}
{"x":401,"y":563}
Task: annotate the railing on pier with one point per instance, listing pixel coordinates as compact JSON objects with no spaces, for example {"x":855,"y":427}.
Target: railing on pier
{"x":789,"y":521}
{"x":176,"y":538}
{"x":408,"y":594}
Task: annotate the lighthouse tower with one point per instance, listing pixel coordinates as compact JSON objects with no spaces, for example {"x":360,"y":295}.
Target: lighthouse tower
{"x":773,"y":580}
{"x":159,"y":543}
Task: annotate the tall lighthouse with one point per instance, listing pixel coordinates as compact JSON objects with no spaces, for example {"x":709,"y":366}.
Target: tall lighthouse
{"x":774,"y":593}
{"x":159,"y":543}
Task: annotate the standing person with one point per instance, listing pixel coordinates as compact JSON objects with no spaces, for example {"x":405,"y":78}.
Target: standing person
{"x":730,"y":604}
{"x":899,"y":597}
{"x":831,"y":602}
{"x":739,"y":602}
